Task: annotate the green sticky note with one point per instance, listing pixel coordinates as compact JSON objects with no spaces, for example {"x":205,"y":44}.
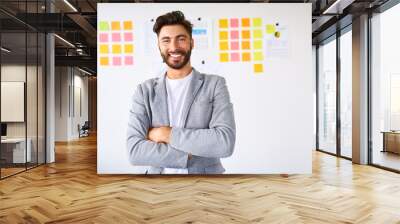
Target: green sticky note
{"x":257,"y":22}
{"x":258,"y":56}
{"x":257,"y":34}
{"x":258,"y":44}
{"x":270,"y":28}
{"x":103,"y":26}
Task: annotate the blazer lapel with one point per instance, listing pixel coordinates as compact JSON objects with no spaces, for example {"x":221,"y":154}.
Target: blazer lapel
{"x":194,"y":86}
{"x":160,"y":101}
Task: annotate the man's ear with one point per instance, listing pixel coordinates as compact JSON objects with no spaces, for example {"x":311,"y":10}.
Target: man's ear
{"x":192,"y":44}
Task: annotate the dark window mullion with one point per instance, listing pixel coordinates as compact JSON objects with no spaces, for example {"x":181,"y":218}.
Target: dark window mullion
{"x":26,"y":87}
{"x":338,"y":98}
{"x":317,"y":95}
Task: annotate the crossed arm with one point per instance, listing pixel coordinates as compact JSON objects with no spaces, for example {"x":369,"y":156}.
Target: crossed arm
{"x":172,"y":147}
{"x":161,"y":135}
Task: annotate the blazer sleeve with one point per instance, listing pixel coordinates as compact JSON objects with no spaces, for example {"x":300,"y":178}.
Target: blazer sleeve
{"x":218,"y":140}
{"x":143,"y":152}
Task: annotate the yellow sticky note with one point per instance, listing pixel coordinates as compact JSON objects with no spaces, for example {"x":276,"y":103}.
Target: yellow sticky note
{"x":258,"y":56}
{"x":223,"y":35}
{"x":223,"y":45}
{"x":115,"y":25}
{"x":104,"y":61}
{"x":270,"y":28}
{"x":223,"y":57}
{"x":103,"y":49}
{"x":257,"y":34}
{"x":257,"y":22}
{"x":116,"y":49}
{"x":245,"y":45}
{"x":223,"y":23}
{"x":246,"y":56}
{"x":258,"y":68}
{"x":128,"y":25}
{"x":128,"y":48}
{"x":258,"y":44}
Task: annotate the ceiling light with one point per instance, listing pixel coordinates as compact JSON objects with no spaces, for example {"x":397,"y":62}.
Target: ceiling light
{"x":5,"y":50}
{"x":70,"y":5}
{"x":84,"y":71}
{"x":64,"y":40}
{"x":329,"y":9}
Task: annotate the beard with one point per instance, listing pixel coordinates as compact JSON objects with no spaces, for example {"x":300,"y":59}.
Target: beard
{"x":176,"y":65}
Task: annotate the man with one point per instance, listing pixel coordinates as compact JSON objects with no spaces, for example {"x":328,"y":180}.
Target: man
{"x":181,"y":122}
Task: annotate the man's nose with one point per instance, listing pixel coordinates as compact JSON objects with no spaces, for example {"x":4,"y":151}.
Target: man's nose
{"x":174,"y":45}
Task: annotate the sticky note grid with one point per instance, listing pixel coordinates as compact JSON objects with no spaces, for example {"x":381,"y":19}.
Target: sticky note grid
{"x":241,"y":40}
{"x":116,"y":43}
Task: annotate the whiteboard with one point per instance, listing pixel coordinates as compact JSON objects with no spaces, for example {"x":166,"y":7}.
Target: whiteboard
{"x":272,"y":93}
{"x":12,"y":101}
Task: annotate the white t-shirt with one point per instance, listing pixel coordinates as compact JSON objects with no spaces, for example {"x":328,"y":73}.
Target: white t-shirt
{"x":177,"y":90}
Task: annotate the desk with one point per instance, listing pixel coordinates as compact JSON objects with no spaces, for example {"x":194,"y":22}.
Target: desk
{"x":391,"y":141}
{"x":15,"y":148}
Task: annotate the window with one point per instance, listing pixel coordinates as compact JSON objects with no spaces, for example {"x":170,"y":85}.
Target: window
{"x":327,"y":96}
{"x":385,"y":89}
{"x":346,"y":94}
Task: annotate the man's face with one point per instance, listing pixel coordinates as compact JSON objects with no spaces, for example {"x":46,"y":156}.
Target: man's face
{"x":175,"y":45}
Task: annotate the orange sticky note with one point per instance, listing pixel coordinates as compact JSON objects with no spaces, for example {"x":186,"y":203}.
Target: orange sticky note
{"x":246,"y":56}
{"x":258,"y":68}
{"x":128,"y":48}
{"x":245,"y":34}
{"x":223,"y":23}
{"x":223,"y":57}
{"x":128,"y":25}
{"x":103,"y":60}
{"x":115,"y":25}
{"x":245,"y":22}
{"x":116,"y":49}
{"x":245,"y":45}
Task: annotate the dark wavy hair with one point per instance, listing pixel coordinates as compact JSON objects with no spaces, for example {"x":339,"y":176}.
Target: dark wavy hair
{"x":172,"y":18}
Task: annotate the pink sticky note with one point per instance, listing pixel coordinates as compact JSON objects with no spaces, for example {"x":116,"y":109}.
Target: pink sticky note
{"x":234,"y":34}
{"x":234,"y":45}
{"x":234,"y":22}
{"x":128,"y":36}
{"x":128,"y":60}
{"x":116,"y":60}
{"x":235,"y":57}
{"x":103,"y":37}
{"x":116,"y":37}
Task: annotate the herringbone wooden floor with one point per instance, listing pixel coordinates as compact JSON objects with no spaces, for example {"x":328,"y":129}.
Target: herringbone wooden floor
{"x":70,"y":191}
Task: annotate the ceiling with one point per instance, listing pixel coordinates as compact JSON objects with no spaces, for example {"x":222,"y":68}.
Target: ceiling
{"x":77,"y":23}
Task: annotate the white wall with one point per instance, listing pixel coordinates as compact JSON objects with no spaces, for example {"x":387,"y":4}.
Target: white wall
{"x":69,"y":82}
{"x":273,"y":109}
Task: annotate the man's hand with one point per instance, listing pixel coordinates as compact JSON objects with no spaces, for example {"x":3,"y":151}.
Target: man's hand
{"x":159,"y":135}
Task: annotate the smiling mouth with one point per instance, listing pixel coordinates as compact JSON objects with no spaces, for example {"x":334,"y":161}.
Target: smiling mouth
{"x":175,"y":56}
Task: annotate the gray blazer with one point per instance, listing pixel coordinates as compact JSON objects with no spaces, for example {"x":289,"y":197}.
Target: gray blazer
{"x":209,"y":131}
